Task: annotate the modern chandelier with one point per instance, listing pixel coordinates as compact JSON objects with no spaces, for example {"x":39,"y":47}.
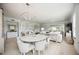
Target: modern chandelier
{"x":26,"y":14}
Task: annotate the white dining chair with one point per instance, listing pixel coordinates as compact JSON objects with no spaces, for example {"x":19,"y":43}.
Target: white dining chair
{"x":59,"y":38}
{"x":47,"y":41}
{"x":24,"y":47}
{"x":40,"y":46}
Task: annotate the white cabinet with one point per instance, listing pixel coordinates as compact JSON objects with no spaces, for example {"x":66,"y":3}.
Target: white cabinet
{"x":11,"y":34}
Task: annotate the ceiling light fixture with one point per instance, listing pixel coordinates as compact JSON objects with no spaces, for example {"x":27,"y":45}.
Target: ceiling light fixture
{"x":26,"y":14}
{"x":27,"y":4}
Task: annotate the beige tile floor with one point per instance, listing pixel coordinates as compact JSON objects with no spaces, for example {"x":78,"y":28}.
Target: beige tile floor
{"x":54,"y":48}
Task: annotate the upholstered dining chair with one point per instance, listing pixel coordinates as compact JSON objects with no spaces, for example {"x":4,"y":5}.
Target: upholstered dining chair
{"x":59,"y":38}
{"x":40,"y":46}
{"x":47,"y":41}
{"x":24,"y":47}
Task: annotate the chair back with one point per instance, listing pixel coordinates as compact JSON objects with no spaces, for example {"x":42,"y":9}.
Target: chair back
{"x":40,"y":45}
{"x":24,"y":47}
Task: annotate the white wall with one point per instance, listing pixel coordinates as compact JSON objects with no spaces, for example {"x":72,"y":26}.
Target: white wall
{"x":74,"y":24}
{"x":76,"y":41}
{"x":0,"y":23}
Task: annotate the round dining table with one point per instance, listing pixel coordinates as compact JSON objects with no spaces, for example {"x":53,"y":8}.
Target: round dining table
{"x":33,"y":38}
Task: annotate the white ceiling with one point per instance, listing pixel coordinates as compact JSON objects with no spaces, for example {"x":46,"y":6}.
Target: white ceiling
{"x":39,"y":12}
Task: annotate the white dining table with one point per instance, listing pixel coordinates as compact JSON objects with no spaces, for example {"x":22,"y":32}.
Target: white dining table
{"x":33,"y":38}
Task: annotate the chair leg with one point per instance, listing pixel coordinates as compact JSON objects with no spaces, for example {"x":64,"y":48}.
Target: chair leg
{"x":43,"y":52}
{"x":23,"y":53}
{"x":33,"y":52}
{"x":39,"y":52}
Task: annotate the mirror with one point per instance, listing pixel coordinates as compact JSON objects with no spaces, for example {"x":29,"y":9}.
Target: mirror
{"x":12,"y":28}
